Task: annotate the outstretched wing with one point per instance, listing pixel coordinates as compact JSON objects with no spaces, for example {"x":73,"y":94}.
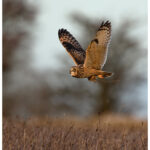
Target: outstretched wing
{"x":72,"y":46}
{"x":96,"y":52}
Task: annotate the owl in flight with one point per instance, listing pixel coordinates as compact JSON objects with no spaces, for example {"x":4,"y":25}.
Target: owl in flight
{"x":89,"y":63}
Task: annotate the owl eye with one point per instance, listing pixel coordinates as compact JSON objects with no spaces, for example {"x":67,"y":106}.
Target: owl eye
{"x":74,"y":69}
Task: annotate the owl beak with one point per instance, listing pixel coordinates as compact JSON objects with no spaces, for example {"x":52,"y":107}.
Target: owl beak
{"x":73,"y":73}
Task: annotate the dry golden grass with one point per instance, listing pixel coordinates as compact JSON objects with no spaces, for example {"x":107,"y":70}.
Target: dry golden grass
{"x":102,"y":133}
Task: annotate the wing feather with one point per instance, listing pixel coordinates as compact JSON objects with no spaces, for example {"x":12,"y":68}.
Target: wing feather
{"x":96,"y":53}
{"x":72,"y":46}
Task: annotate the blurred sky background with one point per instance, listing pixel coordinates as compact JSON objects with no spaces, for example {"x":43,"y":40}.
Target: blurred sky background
{"x":36,"y":75}
{"x":54,"y":14}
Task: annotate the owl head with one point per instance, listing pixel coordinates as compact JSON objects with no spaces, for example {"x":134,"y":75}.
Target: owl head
{"x":74,"y":71}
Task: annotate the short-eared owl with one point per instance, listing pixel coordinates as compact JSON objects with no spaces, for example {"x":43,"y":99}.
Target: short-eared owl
{"x":89,"y":63}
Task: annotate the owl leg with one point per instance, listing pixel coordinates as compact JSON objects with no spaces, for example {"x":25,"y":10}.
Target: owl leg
{"x":92,"y":78}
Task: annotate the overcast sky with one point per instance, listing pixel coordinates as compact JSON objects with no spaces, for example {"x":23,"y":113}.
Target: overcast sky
{"x":54,"y":14}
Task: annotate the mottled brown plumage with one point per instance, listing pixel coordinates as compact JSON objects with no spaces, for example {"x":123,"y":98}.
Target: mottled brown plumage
{"x":72,"y":46}
{"x":90,"y":62}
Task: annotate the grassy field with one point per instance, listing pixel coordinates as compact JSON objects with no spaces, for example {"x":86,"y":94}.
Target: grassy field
{"x":109,"y":132}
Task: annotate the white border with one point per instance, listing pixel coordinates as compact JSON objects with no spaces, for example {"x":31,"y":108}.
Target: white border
{"x":148,"y":72}
{"x":1,"y":76}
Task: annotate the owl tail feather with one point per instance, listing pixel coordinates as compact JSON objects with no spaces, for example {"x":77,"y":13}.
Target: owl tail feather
{"x":102,"y":76}
{"x":105,"y":75}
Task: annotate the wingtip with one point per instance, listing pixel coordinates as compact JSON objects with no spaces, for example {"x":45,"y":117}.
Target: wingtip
{"x":106,"y":24}
{"x":62,"y":31}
